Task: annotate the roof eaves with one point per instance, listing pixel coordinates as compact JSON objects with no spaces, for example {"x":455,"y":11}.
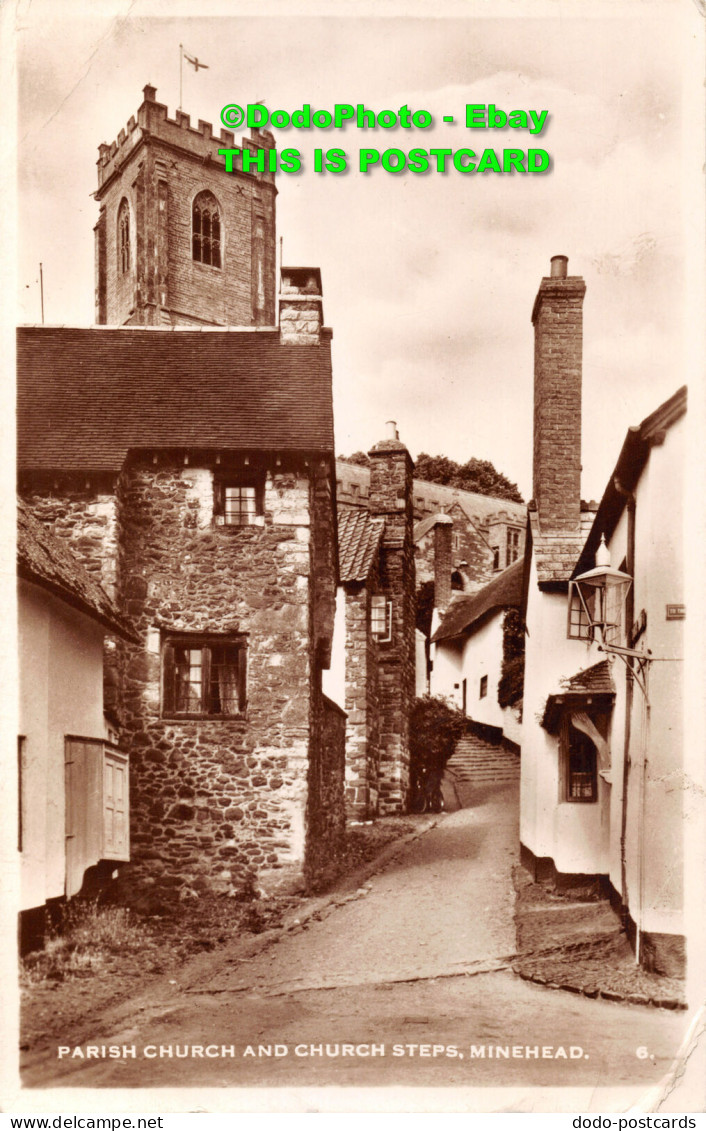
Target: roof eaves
{"x":632,"y":460}
{"x":114,"y":623}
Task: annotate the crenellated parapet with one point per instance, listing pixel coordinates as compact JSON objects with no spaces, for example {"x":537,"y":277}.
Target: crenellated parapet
{"x":153,"y":121}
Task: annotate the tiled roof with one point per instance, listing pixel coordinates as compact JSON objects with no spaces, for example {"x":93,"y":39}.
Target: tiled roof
{"x":466,"y":610}
{"x":358,"y":540}
{"x":47,"y":561}
{"x":593,"y":681}
{"x":86,"y":396}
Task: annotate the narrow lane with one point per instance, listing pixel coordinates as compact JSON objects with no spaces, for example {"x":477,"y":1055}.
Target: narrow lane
{"x":412,"y":975}
{"x":443,"y":906}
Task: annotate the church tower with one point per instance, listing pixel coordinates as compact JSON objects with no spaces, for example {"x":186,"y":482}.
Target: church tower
{"x":180,"y":241}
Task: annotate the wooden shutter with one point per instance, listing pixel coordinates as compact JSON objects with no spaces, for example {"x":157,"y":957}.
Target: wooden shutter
{"x":116,"y":831}
{"x":83,"y":772}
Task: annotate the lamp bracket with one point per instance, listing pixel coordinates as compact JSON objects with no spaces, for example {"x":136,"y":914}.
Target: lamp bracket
{"x":638,"y":671}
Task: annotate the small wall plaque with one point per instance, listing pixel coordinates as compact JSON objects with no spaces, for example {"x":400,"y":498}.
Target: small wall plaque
{"x":676,"y":612}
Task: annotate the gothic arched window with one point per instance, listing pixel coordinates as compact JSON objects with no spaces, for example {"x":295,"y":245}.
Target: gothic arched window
{"x":206,"y":230}
{"x":124,"y":236}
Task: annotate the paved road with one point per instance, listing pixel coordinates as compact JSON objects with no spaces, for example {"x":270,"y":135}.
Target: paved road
{"x":412,"y":974}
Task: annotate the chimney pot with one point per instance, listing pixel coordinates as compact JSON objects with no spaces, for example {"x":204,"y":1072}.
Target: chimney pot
{"x":391,"y":430}
{"x":559,"y":266}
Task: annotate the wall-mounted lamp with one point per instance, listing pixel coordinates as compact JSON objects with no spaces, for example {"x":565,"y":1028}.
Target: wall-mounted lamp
{"x":597,"y":612}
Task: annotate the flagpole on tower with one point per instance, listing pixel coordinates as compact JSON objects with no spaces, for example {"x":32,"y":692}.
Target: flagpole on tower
{"x":181,"y":64}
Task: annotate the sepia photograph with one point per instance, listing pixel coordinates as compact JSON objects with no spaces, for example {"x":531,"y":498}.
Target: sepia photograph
{"x":351,"y":723}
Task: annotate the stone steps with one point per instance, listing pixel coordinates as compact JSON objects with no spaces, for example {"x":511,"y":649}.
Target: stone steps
{"x":480,"y":763}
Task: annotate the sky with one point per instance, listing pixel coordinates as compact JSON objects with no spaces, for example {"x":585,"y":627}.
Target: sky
{"x":428,"y":280}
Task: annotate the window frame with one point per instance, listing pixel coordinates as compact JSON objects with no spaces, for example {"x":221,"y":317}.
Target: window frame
{"x":207,"y":196}
{"x":566,"y":773}
{"x":381,"y":602}
{"x":495,"y":551}
{"x":483,"y":687}
{"x":225,"y":483}
{"x":205,"y":643}
{"x":512,"y":545}
{"x":579,"y":625}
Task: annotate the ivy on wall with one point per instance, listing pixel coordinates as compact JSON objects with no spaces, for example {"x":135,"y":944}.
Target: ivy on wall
{"x":512,"y":671}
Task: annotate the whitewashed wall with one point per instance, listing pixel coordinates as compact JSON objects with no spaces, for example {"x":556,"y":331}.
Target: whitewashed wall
{"x":61,"y":692}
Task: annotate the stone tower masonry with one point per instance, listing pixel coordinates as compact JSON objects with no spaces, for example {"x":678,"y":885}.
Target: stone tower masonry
{"x":558,"y":325}
{"x":391,"y":499}
{"x":150,"y":266}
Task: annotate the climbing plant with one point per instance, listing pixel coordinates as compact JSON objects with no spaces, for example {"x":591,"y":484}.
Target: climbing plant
{"x":512,"y":671}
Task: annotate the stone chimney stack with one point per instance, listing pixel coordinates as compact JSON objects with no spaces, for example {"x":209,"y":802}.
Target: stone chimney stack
{"x":443,"y":561}
{"x":558,"y":327}
{"x":301,"y":305}
{"x":391,"y":469}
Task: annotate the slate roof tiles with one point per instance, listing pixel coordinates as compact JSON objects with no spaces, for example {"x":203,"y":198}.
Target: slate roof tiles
{"x":87,"y":396}
{"x":593,"y":681}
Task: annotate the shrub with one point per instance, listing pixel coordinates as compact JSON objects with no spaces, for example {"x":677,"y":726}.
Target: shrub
{"x":434,"y":729}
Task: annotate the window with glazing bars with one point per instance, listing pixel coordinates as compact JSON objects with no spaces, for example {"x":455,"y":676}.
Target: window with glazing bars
{"x":239,"y":505}
{"x":578,"y":762}
{"x":204,"y":677}
{"x":581,"y":776}
{"x":580,"y":627}
{"x":381,"y":618}
{"x":206,"y":230}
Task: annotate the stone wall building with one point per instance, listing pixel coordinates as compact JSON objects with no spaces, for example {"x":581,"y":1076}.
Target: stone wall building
{"x":373,"y":670}
{"x":459,"y":541}
{"x":488,"y":533}
{"x":192,"y":470}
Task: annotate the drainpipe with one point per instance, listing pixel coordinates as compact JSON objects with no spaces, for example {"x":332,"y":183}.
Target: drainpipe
{"x":641,"y":827}
{"x":629,"y":617}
